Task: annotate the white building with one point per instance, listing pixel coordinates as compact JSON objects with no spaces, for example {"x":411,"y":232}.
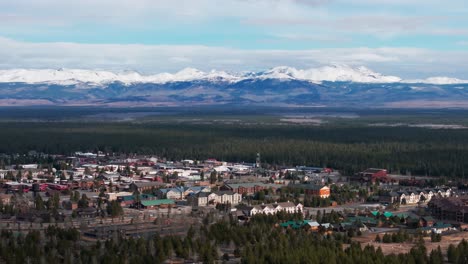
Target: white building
{"x":274,"y":208}
{"x":206,"y":198}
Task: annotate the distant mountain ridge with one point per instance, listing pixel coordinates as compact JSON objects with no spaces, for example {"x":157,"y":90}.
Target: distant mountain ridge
{"x":335,"y":86}
{"x":334,"y":73}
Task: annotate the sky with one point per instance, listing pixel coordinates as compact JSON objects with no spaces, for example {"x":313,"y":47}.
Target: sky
{"x":407,"y":38}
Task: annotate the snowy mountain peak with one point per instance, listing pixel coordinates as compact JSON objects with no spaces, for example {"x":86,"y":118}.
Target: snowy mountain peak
{"x":331,"y":73}
{"x":439,"y":81}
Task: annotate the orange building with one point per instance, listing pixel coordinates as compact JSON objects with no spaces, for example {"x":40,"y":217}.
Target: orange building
{"x":314,"y":190}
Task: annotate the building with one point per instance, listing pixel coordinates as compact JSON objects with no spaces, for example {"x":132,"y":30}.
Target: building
{"x":179,"y":193}
{"x":159,"y":203}
{"x":420,"y":196}
{"x":426,"y":221}
{"x":313,"y":190}
{"x":373,"y":175}
{"x":249,"y":188}
{"x":145,"y":186}
{"x":274,"y":208}
{"x":450,"y":208}
{"x":390,"y":198}
{"x":213,"y":198}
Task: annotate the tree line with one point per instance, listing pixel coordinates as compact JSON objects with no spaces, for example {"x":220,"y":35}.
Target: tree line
{"x":416,"y":151}
{"x":259,"y":241}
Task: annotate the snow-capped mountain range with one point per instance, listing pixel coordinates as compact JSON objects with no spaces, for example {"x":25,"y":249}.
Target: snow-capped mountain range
{"x":334,"y":73}
{"x":333,"y":86}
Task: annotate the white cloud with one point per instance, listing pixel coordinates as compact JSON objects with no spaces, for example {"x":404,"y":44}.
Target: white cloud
{"x":404,"y":62}
{"x":383,"y":19}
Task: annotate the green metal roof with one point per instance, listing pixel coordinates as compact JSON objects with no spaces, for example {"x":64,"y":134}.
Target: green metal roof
{"x":442,"y":225}
{"x":402,"y":215}
{"x":157,"y":202}
{"x":388,"y":214}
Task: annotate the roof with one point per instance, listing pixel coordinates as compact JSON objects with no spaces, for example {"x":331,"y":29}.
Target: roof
{"x":148,"y":184}
{"x":308,"y":186}
{"x":373,"y":170}
{"x":388,"y":214}
{"x":157,"y":202}
{"x":220,"y":193}
{"x":313,"y":224}
{"x":252,"y":184}
{"x":442,"y":225}
{"x":296,"y":224}
{"x":428,"y":218}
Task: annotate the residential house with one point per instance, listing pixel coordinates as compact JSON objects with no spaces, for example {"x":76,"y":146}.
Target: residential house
{"x":426,"y":221}
{"x":176,"y":193}
{"x":313,"y":225}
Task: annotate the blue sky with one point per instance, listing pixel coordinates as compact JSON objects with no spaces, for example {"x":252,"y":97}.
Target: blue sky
{"x":409,"y":38}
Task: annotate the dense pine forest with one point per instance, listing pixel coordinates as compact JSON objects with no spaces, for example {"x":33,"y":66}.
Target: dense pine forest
{"x":259,"y":241}
{"x":343,"y":143}
{"x":420,"y":151}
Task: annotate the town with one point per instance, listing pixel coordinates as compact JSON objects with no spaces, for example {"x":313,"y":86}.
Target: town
{"x":101,"y":194}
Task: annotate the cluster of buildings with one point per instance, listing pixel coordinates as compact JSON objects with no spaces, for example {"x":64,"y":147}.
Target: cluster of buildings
{"x":148,"y":182}
{"x":450,"y":208}
{"x":414,"y":196}
{"x":143,"y":182}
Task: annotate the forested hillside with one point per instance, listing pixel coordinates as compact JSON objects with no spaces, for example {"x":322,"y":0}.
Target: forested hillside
{"x":258,"y":242}
{"x":420,"y":151}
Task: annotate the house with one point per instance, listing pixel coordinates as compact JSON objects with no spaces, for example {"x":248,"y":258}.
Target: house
{"x":313,"y":225}
{"x":426,"y":221}
{"x":126,"y":200}
{"x":195,"y":189}
{"x":170,"y":193}
{"x":313,"y":190}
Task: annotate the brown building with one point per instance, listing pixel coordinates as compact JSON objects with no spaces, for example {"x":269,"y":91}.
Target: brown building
{"x":450,"y":208}
{"x":249,"y":187}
